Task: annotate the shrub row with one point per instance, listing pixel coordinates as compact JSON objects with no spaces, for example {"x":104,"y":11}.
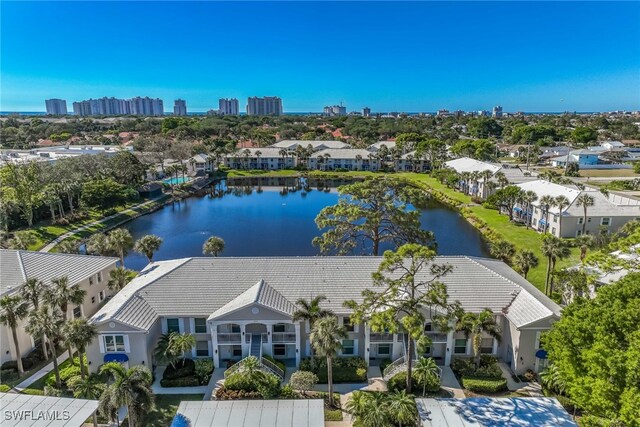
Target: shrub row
{"x":399,"y":381}
{"x":345,"y":369}
{"x":466,"y":367}
{"x":182,"y":368}
{"x":180,"y":382}
{"x":223,"y":393}
{"x":4,"y":388}
{"x":484,"y":385}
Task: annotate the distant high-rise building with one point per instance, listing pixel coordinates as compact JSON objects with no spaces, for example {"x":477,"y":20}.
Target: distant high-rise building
{"x":267,"y":106}
{"x":179,"y":107}
{"x":497,"y":111}
{"x":117,"y":107}
{"x":483,"y":113}
{"x":335,"y":110}
{"x":228,"y":106}
{"x":366,"y":112}
{"x":443,"y":113}
{"x":82,"y":108}
{"x":56,"y":106}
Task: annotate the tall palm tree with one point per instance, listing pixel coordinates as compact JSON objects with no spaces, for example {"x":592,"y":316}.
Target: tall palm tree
{"x":90,"y":387}
{"x":69,"y":246}
{"x":527,"y":199}
{"x":120,"y":242}
{"x":148,"y":245}
{"x":561,"y":202}
{"x":79,"y":333}
{"x":98,"y":245}
{"x":486,"y":176}
{"x":311,"y":310}
{"x":402,"y":407}
{"x":584,"y":242}
{"x":33,"y":292}
{"x":585,"y":201}
{"x":425,"y":370}
{"x":503,"y":250}
{"x":47,"y":321}
{"x":213,"y":246}
{"x":13,"y":309}
{"x":524,"y":261}
{"x":475,"y":325}
{"x":553,"y":248}
{"x":326,"y":338}
{"x":179,"y":344}
{"x":546,"y":202}
{"x":502,"y":179}
{"x":60,"y":294}
{"x":131,"y":388}
{"x":119,"y":277}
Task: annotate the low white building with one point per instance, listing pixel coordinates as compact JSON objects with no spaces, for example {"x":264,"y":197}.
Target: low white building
{"x":608,"y":213}
{"x":201,"y":163}
{"x":353,"y":159}
{"x":292,"y":144}
{"x":480,"y":187}
{"x":266,"y":158}
{"x":91,"y":273}
{"x":412,"y":162}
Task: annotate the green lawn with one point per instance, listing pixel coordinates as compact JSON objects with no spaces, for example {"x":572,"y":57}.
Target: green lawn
{"x":166,"y":407}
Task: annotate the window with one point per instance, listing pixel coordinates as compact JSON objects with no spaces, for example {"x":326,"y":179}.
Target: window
{"x":173,"y":326}
{"x":427,"y":327}
{"x":113,"y":343}
{"x":101,"y":296}
{"x":279,"y":350}
{"x":93,"y":300}
{"x":200,"y":325}
{"x":460,"y":346}
{"x":553,"y":230}
{"x":236,"y":351}
{"x":555,"y":218}
{"x":535,"y":222}
{"x":99,"y":276}
{"x":202,"y":348}
{"x":77,"y":312}
{"x":279,"y":327}
{"x":348,"y":347}
{"x":486,"y":346}
{"x":605,"y":221}
{"x":581,"y":220}
{"x":346,"y":322}
{"x":384,"y":349}
{"x":235,"y":329}
{"x":90,"y":280}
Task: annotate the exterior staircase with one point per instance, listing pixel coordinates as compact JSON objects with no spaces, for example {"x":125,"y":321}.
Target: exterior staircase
{"x":400,"y":364}
{"x":255,"y":351}
{"x":256,"y":346}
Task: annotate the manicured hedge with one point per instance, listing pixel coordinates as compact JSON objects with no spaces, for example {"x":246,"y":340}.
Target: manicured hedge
{"x":180,"y":382}
{"x":33,"y":392}
{"x":345,"y":369}
{"x":399,"y":381}
{"x":4,"y":388}
{"x":484,"y":385}
{"x":182,"y":368}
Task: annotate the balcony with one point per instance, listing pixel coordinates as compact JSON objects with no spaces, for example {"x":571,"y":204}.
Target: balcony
{"x":283,"y":337}
{"x":385,"y":337}
{"x":229,"y":338}
{"x":437,"y":337}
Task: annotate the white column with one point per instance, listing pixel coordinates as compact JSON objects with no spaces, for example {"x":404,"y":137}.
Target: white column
{"x":213,"y":328}
{"x":297,"y":327}
{"x":367,"y":338}
{"x":449,"y":349}
{"x":243,"y":338}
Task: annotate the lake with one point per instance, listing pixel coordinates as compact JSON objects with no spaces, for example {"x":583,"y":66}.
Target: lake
{"x":273,"y":217}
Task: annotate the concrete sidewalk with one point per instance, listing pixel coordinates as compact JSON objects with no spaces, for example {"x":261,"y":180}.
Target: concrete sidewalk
{"x":449,"y":382}
{"x":532,"y":388}
{"x":41,"y":373}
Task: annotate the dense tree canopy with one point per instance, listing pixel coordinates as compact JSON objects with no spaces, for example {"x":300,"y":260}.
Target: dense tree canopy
{"x":595,"y":347}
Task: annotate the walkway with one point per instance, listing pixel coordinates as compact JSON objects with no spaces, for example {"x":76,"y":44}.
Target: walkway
{"x":450,"y":383}
{"x":41,"y":373}
{"x":71,"y":233}
{"x":531,"y":388}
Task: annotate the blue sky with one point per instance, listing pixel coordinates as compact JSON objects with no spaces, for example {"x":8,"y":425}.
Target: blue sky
{"x":415,"y":56}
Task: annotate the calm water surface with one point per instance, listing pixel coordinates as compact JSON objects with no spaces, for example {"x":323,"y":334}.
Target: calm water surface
{"x":273,"y":220}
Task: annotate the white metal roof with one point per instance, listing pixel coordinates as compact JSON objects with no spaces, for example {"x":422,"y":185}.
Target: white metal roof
{"x":25,"y":410}
{"x":293,"y":143}
{"x":251,"y":413}
{"x":343,"y":153}
{"x":491,"y":412}
{"x":466,"y":164}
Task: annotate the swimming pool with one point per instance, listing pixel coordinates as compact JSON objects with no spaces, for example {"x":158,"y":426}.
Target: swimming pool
{"x":174,"y":181}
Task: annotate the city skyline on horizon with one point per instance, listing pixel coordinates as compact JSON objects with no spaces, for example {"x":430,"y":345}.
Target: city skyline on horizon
{"x":405,"y":57}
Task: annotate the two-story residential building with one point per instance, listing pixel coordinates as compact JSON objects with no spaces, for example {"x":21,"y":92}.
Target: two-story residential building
{"x":266,"y":158}
{"x":607,"y":213}
{"x":316,"y":145}
{"x":91,"y":273}
{"x":354,"y":159}
{"x":200,"y":163}
{"x":412,"y":162}
{"x":236,"y":307}
{"x":584,"y":158}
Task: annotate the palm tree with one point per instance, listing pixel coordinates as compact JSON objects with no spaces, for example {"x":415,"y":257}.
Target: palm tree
{"x":148,"y":245}
{"x":47,"y":322}
{"x":475,"y":325}
{"x":524,"y":261}
{"x":584,"y":242}
{"x":425,"y":370}
{"x":14,"y":309}
{"x":97,"y":244}
{"x":60,"y":295}
{"x":258,"y":153}
{"x":546,"y":202}
{"x":585,"y":201}
{"x":376,"y":411}
{"x":22,"y":240}
{"x":486,"y":176}
{"x":131,"y":388}
{"x":90,"y":388}
{"x":120,"y":242}
{"x":553,"y":248}
{"x":501,"y":178}
{"x":503,"y":250}
{"x":356,"y":405}
{"x":79,"y":333}
{"x":69,"y":246}
{"x":33,"y":292}
{"x":402,"y":407}
{"x":180,"y":344}
{"x":311,"y":310}
{"x":119,"y":277}
{"x":561,"y":202}
{"x":213,"y":246}
{"x":527,"y":198}
{"x":326,"y":336}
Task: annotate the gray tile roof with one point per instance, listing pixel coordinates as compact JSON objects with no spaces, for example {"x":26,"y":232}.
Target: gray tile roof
{"x":17,"y":266}
{"x":200,"y":286}
{"x":260,"y":293}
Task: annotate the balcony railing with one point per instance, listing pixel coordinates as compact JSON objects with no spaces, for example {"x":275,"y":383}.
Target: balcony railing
{"x":280,"y":337}
{"x":381,"y":337}
{"x":229,"y":338}
{"x":437,"y":337}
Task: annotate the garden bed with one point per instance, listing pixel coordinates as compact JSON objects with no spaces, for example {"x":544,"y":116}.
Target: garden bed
{"x":345,"y":369}
{"x":187,"y":373}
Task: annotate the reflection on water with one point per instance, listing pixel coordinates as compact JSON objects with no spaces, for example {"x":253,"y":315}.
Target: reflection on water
{"x":273,"y":217}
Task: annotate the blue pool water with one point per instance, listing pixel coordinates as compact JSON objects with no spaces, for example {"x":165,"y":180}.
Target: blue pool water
{"x":175,"y":181}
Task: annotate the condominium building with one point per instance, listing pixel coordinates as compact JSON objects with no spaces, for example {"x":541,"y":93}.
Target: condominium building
{"x":56,"y":106}
{"x":356,"y":159}
{"x":115,"y":107}
{"x":228,"y":106}
{"x":335,"y":111}
{"x":266,"y":106}
{"x":497,"y":111}
{"x":90,"y":273}
{"x":267,"y":158}
{"x":179,"y":107}
{"x":366,"y":112}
